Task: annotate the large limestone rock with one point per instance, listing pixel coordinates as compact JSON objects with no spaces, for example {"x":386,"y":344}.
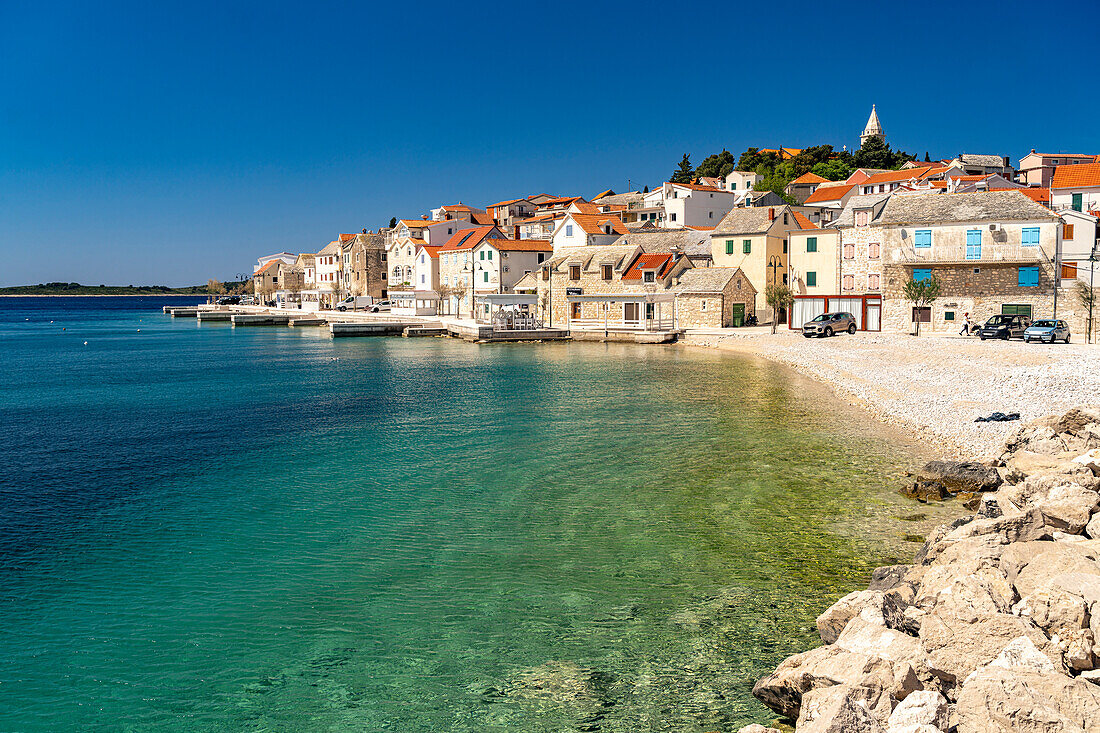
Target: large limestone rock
{"x":888,"y":576}
{"x":955,"y":648}
{"x":826,"y":666}
{"x":1077,"y":421}
{"x":1092,"y":529}
{"x":997,"y":699}
{"x":922,"y":708}
{"x":844,"y":709}
{"x":865,"y":637}
{"x":865,"y":603}
{"x":757,"y":728}
{"x":1012,"y":527}
{"x":956,"y":476}
{"x":1030,"y":565}
{"x":1053,"y":609}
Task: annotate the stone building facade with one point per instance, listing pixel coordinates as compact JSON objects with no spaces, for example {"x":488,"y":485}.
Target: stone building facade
{"x":714,"y":297}
{"x":365,"y":259}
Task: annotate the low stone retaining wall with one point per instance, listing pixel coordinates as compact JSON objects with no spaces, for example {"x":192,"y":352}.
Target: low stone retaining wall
{"x":995,"y":625}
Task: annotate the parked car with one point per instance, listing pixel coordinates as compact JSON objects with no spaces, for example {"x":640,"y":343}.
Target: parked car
{"x":1004,"y":327}
{"x":382,"y":306}
{"x":355,"y":302}
{"x":829,"y":323}
{"x":247,"y":300}
{"x":229,"y":300}
{"x":1047,"y":329}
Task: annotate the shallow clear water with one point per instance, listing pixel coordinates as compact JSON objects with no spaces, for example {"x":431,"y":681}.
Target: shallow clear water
{"x":209,"y":528}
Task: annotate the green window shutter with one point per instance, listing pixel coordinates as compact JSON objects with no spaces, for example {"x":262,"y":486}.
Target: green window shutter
{"x":489,"y":254}
{"x":729,"y":246}
{"x":811,"y":279}
{"x":746,"y":246}
{"x":811,"y":244}
{"x":485,"y":276}
{"x":1077,"y":202}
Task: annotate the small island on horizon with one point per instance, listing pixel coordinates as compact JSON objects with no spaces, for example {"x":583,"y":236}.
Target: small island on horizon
{"x":212,"y":287}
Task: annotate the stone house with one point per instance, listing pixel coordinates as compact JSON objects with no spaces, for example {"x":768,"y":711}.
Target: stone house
{"x":756,"y":241}
{"x":992,"y":252}
{"x":713,"y":297}
{"x":803,"y":187}
{"x":268,"y":279}
{"x":1037,"y":169}
{"x":507,"y":214}
{"x":329,"y":276}
{"x":365,"y":265}
{"x":695,"y":243}
{"x":581,"y":270}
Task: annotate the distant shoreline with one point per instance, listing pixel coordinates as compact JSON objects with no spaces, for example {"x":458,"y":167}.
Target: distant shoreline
{"x":105,"y":295}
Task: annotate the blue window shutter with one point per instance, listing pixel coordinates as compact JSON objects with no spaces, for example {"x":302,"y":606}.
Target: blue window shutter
{"x":1028,"y":277}
{"x":1029,"y":236}
{"x":922,"y":238}
{"x":974,"y":244}
{"x":922,"y":273}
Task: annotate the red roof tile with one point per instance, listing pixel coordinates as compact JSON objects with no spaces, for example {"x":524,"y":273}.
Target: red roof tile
{"x":466,"y":238}
{"x":1073,"y":176}
{"x":830,"y":193}
{"x":803,"y":221}
{"x":522,"y":245}
{"x":809,"y":178}
{"x":594,"y":223}
{"x":1039,"y":195}
{"x":659,"y":261}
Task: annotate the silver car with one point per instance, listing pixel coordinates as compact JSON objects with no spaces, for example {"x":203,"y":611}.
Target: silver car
{"x":829,"y":323}
{"x":1048,"y":330}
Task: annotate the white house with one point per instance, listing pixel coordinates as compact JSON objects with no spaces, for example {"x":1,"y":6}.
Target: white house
{"x":741,"y":180}
{"x":688,"y":204}
{"x":1079,"y":243}
{"x":1036,"y":169}
{"x":1076,"y":187}
{"x":574,"y":230}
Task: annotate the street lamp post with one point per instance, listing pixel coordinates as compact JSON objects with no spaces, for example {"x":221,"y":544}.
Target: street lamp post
{"x":776,"y":264}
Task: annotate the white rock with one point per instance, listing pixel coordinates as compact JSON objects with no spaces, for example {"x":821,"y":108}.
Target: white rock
{"x":924,"y":707}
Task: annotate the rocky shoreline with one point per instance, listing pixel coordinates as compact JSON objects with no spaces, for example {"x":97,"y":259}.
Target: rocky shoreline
{"x":996,"y":624}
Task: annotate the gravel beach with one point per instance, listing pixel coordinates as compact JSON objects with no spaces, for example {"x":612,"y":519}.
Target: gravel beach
{"x":935,"y":385}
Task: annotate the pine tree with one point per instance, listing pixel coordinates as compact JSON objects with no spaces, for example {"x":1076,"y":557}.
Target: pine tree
{"x":926,"y":158}
{"x":646,"y":189}
{"x":684,"y":173}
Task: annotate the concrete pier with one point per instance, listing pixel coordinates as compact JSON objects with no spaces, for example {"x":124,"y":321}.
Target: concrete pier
{"x":182,"y":312}
{"x":259,"y":319}
{"x":376,"y":328}
{"x":215,"y":315}
{"x":307,"y":322}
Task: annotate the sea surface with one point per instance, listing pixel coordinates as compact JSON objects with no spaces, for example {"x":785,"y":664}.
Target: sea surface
{"x":208,"y":528}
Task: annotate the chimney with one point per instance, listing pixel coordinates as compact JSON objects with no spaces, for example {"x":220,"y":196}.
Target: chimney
{"x":1006,"y":161}
{"x":771,"y":214}
{"x":364,"y":230}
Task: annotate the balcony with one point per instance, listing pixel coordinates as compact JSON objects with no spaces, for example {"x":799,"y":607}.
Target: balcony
{"x":960,"y":254}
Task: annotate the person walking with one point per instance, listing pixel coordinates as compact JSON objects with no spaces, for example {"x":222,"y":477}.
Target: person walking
{"x":966,"y":325}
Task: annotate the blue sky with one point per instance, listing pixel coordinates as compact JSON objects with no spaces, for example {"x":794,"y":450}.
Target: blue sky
{"x":142,"y":143}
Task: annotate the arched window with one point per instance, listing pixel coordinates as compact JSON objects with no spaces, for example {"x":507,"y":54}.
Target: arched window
{"x":397,"y":273}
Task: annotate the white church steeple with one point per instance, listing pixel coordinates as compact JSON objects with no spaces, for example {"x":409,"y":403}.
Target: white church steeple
{"x":873,"y":128}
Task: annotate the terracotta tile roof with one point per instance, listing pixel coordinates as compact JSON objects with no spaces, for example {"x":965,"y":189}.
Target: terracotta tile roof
{"x":810,"y":178}
{"x":1039,"y":195}
{"x":505,"y":203}
{"x":694,"y":186}
{"x":830,"y":193}
{"x":803,"y":221}
{"x":1072,"y":176}
{"x":659,"y":261}
{"x":346,"y":237}
{"x":700,"y":229}
{"x":417,"y":222}
{"x":455,"y":207}
{"x":433,"y":252}
{"x":969,"y":178}
{"x":523,"y":245}
{"x":467,"y":238}
{"x":896,"y":176}
{"x":265,"y":267}
{"x":594,"y":223}
{"x":587,"y":208}
{"x":561,"y":200}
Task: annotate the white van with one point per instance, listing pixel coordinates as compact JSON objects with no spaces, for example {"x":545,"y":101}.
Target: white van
{"x":355,"y":302}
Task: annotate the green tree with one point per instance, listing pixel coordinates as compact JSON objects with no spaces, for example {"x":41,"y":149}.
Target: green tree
{"x":921,"y":293}
{"x":684,"y":173}
{"x":834,"y":170}
{"x":876,"y":153}
{"x":778,"y":296}
{"x":926,"y":158}
{"x":646,"y":189}
{"x":393,"y":222}
{"x":214,"y":287}
{"x":717,"y":165}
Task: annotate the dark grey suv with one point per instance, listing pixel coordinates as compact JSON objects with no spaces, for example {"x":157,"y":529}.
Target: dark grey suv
{"x":829,"y":323}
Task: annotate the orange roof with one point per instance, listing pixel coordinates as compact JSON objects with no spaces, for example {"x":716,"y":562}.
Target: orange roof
{"x":267,"y":264}
{"x":522,"y":245}
{"x":466,"y":239}
{"x":1038,"y":195}
{"x":594,"y":223}
{"x":830,"y":193}
{"x":1071,"y":176}
{"x":433,"y":252}
{"x":505,"y":203}
{"x":896,"y":176}
{"x":694,"y":186}
{"x":809,"y":178}
{"x":417,"y":222}
{"x":699,"y":229}
{"x":659,"y":261}
{"x":803,"y":221}
{"x":969,"y":178}
{"x":455,"y":207}
{"x":560,"y":200}
{"x":346,"y":237}
{"x":587,"y":208}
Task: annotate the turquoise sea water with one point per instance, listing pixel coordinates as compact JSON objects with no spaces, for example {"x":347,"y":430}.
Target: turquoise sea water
{"x":205,"y":528}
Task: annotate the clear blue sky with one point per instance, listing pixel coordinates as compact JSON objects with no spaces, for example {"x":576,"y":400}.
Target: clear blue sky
{"x":142,"y":143}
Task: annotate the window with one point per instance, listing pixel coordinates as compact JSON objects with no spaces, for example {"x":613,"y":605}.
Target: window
{"x":973,"y":244}
{"x":1029,"y":236}
{"x":574,"y":272}
{"x":874,"y":281}
{"x":1069,"y":270}
{"x":542,"y":256}
{"x":489,"y":255}
{"x":746,"y":246}
{"x":1028,"y":277}
{"x":738,"y":284}
{"x":606,"y":271}
{"x":949,"y":315}
{"x":784,"y":246}
{"x":881,"y":188}
{"x":848,"y":282}
{"x":485,"y":276}
{"x":569,"y":230}
{"x":481,"y":255}
{"x":648,"y":277}
{"x":874,"y":251}
{"x":733,"y":185}
{"x":849,"y":251}
{"x":922,"y":273}
{"x":1067,"y":231}
{"x":922,"y":238}
{"x":1077,"y":202}
{"x":672,"y":217}
{"x":784,"y":217}
{"x":1018,"y":309}
{"x":710,"y":214}
{"x":811,"y":279}
{"x":421,"y":279}
{"x":702,"y":305}
{"x":922,"y":315}
{"x":729,"y":246}
{"x":811,"y":244}
{"x":422,"y":259}
{"x":861,"y":218}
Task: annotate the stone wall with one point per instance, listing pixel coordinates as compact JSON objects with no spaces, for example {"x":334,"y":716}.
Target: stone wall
{"x":715,"y":310}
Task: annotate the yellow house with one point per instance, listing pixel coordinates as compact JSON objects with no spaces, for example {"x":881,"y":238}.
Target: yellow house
{"x":755,"y":239}
{"x":812,"y":256}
